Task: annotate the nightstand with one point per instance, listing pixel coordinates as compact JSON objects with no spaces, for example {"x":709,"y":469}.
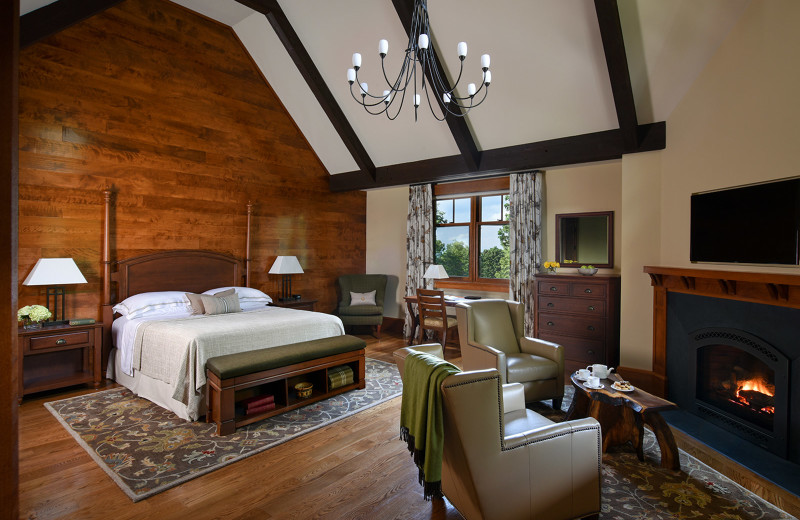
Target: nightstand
{"x":302,"y":304}
{"x":59,"y":356}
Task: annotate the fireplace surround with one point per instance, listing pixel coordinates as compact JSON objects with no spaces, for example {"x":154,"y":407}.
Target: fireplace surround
{"x":726,"y":350}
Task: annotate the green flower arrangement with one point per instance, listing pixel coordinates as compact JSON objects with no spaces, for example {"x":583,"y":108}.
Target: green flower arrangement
{"x":34,"y":313}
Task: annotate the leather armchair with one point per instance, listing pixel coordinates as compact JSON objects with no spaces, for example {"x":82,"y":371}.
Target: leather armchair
{"x":371,"y":315}
{"x":513,"y":463}
{"x":492,"y":336}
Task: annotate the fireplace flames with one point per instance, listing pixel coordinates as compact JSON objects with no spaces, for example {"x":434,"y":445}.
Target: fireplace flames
{"x":756,"y":394}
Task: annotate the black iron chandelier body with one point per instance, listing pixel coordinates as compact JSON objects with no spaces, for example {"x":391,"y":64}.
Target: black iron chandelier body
{"x":418,"y":55}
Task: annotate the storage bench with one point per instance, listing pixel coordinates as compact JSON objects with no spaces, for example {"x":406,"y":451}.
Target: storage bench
{"x":236,"y":379}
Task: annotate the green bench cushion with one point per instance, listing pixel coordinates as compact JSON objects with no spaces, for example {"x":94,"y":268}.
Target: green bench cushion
{"x":242,"y":363}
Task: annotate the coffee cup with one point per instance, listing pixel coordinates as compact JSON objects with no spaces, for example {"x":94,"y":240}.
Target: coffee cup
{"x":593,"y":382}
{"x":601,"y":371}
{"x":584,"y":374}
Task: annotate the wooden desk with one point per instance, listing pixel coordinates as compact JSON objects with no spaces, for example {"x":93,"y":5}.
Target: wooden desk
{"x":412,"y":300}
{"x":622,"y":416}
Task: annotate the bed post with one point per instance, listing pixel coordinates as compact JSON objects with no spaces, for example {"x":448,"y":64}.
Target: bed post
{"x":247,"y":246}
{"x":108,"y":314}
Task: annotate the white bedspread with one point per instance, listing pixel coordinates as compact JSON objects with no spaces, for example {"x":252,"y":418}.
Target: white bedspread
{"x":175,"y":351}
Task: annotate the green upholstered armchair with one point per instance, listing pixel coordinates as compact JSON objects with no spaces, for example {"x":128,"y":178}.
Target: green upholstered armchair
{"x":371,"y":315}
{"x":492,"y":336}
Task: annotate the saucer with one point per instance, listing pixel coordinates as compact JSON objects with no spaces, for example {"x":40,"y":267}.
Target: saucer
{"x":579,"y":378}
{"x":600,"y":387}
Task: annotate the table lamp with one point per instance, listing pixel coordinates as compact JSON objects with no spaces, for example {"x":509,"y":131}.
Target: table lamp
{"x":435,"y":272}
{"x":286,"y":266}
{"x":55,"y":273}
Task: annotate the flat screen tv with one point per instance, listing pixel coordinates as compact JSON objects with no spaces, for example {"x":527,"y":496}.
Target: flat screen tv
{"x":756,"y":224}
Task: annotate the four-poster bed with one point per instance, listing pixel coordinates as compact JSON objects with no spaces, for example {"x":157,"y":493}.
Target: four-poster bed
{"x":160,"y":349}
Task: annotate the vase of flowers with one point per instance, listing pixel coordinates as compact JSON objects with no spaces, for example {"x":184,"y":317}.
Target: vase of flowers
{"x":550,"y":267}
{"x":32,"y":316}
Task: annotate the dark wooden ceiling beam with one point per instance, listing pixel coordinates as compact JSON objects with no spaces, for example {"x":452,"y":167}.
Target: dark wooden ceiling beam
{"x":458,"y":125}
{"x":277,"y":19}
{"x":617,"y":61}
{"x":579,"y":149}
{"x":55,"y":17}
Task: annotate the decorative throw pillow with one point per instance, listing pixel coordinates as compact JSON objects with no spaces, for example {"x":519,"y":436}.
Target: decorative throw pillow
{"x":196,"y":302}
{"x":220,"y":304}
{"x":362,"y":298}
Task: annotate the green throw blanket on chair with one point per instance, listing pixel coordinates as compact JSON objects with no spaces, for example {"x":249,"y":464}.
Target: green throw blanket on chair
{"x":421,"y":419}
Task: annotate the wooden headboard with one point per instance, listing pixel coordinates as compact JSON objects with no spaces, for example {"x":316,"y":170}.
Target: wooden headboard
{"x":188,"y":270}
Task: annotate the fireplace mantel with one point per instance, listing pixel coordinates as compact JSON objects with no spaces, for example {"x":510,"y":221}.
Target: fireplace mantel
{"x":765,"y":288}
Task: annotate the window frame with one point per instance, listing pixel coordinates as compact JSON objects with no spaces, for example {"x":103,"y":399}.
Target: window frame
{"x":473,"y":190}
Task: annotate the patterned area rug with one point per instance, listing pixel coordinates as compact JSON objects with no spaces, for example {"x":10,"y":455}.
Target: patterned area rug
{"x":637,"y":490}
{"x":147,"y":449}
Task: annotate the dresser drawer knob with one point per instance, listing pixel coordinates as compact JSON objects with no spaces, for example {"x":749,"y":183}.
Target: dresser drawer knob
{"x":590,"y":327}
{"x":550,"y":323}
{"x":551,"y":304}
{"x":588,"y":291}
{"x":554,"y":288}
{"x":61,"y":341}
{"x":591,"y":307}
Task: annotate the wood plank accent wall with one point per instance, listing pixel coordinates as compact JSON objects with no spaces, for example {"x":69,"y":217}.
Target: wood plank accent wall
{"x":168,"y":109}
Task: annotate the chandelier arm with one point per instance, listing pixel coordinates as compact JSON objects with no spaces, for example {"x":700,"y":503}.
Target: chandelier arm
{"x":362,"y":102}
{"x":430,"y":105}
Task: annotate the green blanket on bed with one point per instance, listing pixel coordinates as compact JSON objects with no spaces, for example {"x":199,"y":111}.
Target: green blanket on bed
{"x":421,"y":419}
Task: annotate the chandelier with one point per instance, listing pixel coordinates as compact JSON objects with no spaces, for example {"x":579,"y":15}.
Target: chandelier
{"x":433,"y":83}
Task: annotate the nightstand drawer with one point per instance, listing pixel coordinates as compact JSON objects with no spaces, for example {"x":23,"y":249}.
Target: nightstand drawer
{"x":71,"y":339}
{"x":552,"y":288}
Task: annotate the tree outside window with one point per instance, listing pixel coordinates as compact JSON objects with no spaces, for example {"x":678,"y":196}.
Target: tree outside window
{"x":472,"y":237}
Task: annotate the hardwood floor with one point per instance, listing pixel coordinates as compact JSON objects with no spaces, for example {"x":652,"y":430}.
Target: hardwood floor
{"x":355,"y":468}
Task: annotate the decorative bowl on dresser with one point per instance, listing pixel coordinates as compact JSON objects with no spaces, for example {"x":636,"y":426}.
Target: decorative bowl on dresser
{"x":59,"y":356}
{"x":582,"y":314}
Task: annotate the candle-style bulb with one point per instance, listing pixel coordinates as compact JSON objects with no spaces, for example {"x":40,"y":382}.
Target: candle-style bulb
{"x":423,"y":41}
{"x":470,"y":89}
{"x":356,"y":60}
{"x":383,"y":47}
{"x":363,"y":89}
{"x":487,"y":77}
{"x":351,"y":75}
{"x":485,"y":60}
{"x":462,"y":50}
{"x":416,"y":100}
{"x":446,"y":98}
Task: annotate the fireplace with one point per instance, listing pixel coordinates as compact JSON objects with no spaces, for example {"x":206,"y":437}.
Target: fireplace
{"x":730,"y":364}
{"x":726,"y":350}
{"x":741,"y":383}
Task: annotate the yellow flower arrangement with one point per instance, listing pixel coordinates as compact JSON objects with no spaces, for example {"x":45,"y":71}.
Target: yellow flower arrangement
{"x":551,"y":266}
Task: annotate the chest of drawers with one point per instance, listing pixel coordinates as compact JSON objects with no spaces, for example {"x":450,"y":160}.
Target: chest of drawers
{"x":582,"y":314}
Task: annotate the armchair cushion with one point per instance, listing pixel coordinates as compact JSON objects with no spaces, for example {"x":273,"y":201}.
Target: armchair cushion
{"x":493,"y":326}
{"x":526,"y":367}
{"x":360,"y":310}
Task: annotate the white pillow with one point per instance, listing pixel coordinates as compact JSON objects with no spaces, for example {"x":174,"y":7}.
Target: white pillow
{"x":153,"y":304}
{"x":362,"y":298}
{"x":249,"y":298}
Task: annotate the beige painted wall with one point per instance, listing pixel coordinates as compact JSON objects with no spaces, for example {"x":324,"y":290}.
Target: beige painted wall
{"x":736,"y":125}
{"x":578,"y":189}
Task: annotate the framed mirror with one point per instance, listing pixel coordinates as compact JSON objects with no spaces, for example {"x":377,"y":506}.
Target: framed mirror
{"x":585,"y":239}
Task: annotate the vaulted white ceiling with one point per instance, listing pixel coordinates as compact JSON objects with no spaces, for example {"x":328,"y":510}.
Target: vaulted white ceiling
{"x":549,"y":73}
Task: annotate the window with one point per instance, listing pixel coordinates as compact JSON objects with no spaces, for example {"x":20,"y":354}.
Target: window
{"x":471,"y":234}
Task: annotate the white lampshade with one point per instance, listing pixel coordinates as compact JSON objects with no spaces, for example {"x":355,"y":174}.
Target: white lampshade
{"x":54,"y":271}
{"x":286,"y":265}
{"x":435,"y":272}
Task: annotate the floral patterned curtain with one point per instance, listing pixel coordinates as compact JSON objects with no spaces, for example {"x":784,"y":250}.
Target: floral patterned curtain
{"x":525,"y":239}
{"x":419,"y":242}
